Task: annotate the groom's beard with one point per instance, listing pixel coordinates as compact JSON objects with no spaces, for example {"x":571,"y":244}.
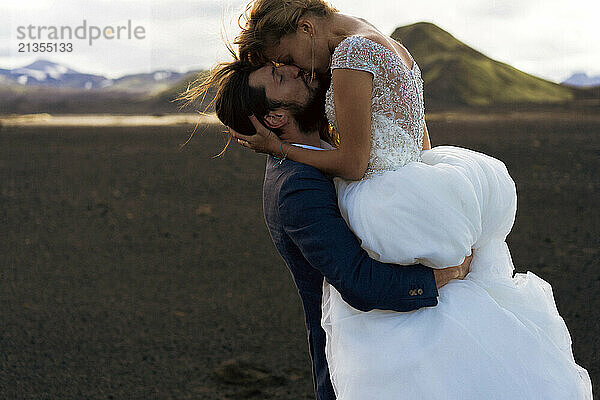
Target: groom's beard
{"x":310,"y":115}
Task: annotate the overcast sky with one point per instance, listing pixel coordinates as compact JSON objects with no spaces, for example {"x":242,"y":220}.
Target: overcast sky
{"x":548,"y":38}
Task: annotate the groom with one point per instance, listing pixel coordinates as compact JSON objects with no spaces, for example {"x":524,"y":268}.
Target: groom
{"x":302,"y":215}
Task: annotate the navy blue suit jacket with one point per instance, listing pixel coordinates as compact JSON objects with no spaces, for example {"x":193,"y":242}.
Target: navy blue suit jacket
{"x":305,"y":223}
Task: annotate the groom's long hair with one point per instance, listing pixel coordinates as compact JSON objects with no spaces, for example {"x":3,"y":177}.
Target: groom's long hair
{"x":234,"y":99}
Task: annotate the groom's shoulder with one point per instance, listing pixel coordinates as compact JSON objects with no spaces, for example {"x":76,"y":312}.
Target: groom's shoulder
{"x":291,"y":175}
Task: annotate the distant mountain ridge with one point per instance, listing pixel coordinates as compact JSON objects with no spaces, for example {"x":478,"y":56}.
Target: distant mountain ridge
{"x":47,"y":73}
{"x":582,"y":80}
{"x":51,"y":74}
{"x":455,"y":73}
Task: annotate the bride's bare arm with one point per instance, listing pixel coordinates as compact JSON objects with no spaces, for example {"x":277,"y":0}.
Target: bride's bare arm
{"x":352,"y":98}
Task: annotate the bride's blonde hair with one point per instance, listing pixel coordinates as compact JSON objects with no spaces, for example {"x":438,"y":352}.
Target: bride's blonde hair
{"x":265,"y":22}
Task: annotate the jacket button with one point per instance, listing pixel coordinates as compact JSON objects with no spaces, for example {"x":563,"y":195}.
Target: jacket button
{"x":412,"y":292}
{"x":420,"y":291}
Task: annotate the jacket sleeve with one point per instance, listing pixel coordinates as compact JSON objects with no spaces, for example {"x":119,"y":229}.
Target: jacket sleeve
{"x":310,"y":215}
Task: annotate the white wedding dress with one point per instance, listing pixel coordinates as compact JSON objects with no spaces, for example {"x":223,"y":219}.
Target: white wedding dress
{"x":492,"y":335}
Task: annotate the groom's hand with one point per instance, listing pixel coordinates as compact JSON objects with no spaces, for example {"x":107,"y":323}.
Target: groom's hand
{"x":443,"y":276}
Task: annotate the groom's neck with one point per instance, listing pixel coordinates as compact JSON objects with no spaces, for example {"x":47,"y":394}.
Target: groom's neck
{"x":295,"y":136}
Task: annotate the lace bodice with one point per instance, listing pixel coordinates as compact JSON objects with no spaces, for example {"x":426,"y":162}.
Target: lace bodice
{"x":397,"y":111}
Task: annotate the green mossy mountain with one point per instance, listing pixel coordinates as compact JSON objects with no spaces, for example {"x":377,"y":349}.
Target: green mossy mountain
{"x":455,"y":73}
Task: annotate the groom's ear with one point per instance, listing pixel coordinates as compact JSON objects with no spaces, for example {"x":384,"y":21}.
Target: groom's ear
{"x":276,"y":120}
{"x":306,"y":26}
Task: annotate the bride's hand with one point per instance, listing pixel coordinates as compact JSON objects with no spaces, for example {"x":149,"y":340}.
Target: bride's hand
{"x":264,"y":141}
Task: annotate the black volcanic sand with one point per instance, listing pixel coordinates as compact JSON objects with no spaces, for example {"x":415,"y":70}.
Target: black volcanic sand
{"x":131,"y":269}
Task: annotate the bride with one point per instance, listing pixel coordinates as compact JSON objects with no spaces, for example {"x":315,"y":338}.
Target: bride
{"x":492,"y":335}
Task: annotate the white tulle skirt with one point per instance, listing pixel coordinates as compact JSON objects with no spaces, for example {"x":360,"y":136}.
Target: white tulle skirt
{"x":491,"y":336}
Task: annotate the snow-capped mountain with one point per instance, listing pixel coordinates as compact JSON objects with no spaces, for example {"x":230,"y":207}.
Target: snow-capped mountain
{"x":47,"y":73}
{"x":51,"y":74}
{"x":41,"y":69}
{"x":582,"y":80}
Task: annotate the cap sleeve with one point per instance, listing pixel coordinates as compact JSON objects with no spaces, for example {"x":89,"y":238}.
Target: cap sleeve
{"x":354,"y":53}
